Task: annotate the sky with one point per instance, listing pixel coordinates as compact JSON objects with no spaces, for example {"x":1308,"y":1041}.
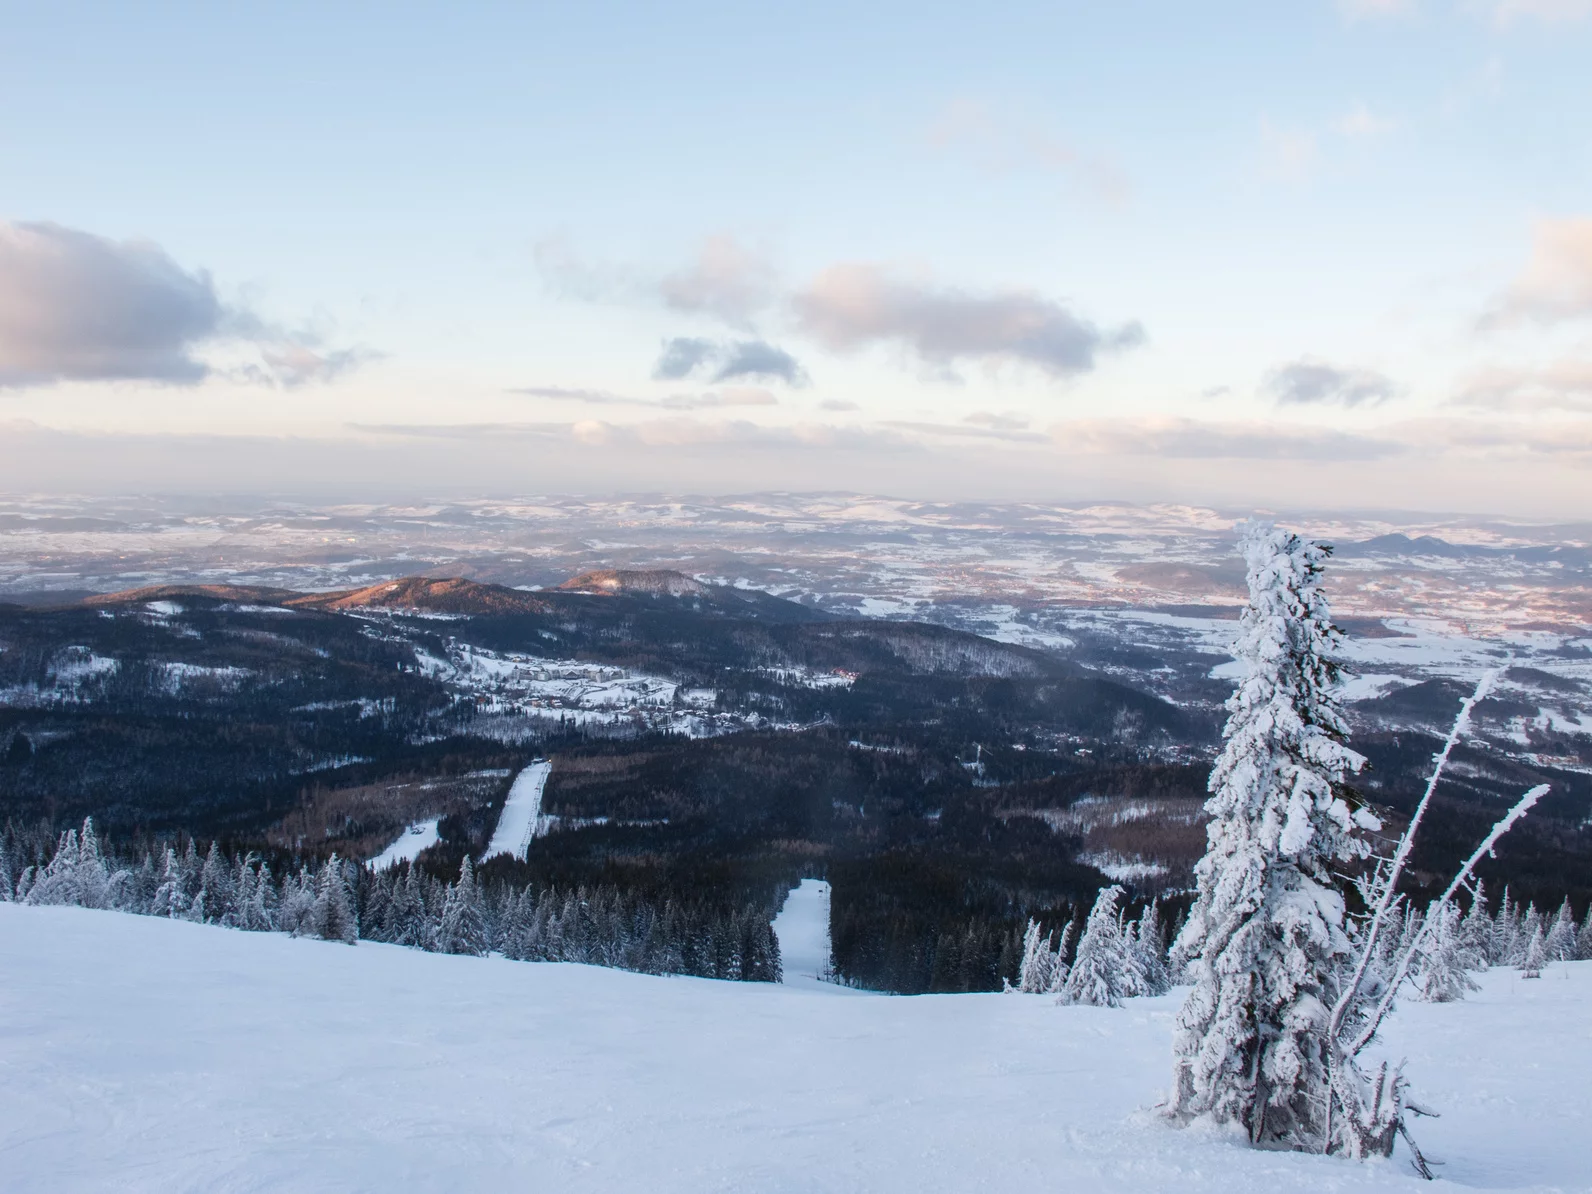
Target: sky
{"x":1332,"y":254}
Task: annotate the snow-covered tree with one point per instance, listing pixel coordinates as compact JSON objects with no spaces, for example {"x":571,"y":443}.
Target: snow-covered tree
{"x":1561,"y":941}
{"x":1265,"y":939}
{"x":1583,"y":941}
{"x":168,"y":900}
{"x":1476,"y":931}
{"x":1040,"y":959}
{"x":1535,"y":956}
{"x":1105,"y":970}
{"x":331,"y":915}
{"x":1443,"y":965}
{"x":1149,"y":947}
{"x":463,"y":927}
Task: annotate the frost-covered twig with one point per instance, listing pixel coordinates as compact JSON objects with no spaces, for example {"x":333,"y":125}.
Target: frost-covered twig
{"x":1386,"y":887}
{"x":1521,"y":808}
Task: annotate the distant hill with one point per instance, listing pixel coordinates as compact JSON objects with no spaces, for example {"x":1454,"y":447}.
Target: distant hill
{"x":450,"y":595}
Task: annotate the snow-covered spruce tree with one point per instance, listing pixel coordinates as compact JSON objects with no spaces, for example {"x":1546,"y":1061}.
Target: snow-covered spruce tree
{"x":331,"y":916}
{"x":1105,"y":970}
{"x":1475,"y":931}
{"x":1149,"y":945}
{"x":463,"y":927}
{"x":1536,"y":955}
{"x":1265,"y":940}
{"x":1039,"y":961}
{"x":1443,"y":965}
{"x":1560,"y":945}
{"x":1583,"y":940}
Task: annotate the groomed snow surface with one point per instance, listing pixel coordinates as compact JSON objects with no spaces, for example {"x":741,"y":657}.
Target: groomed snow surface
{"x":148,"y":1055}
{"x":517,"y":823}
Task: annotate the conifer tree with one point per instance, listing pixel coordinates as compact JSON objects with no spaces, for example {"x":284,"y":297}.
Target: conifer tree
{"x":1442,"y":974}
{"x":463,"y":927}
{"x":1475,"y":932}
{"x":331,"y":916}
{"x":1150,"y":948}
{"x":1105,"y":971}
{"x":1561,"y":941}
{"x":1535,"y":956}
{"x":1266,"y":937}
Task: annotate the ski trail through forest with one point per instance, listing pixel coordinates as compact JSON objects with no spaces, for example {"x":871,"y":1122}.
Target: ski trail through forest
{"x":517,"y":825}
{"x":802,"y":927}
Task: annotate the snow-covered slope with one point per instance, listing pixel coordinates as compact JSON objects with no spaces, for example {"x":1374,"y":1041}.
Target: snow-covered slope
{"x":147,"y":1055}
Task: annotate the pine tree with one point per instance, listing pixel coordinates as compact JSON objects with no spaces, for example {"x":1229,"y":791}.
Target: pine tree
{"x":1535,"y":956}
{"x":1583,"y":942}
{"x":1033,"y":974}
{"x":168,"y":900}
{"x":331,"y":916}
{"x":463,"y":928}
{"x":1506,"y":933}
{"x":1561,"y":942}
{"x":1150,"y":948}
{"x":1105,"y":971}
{"x":215,"y":885}
{"x":1475,"y":932}
{"x":1442,"y":974}
{"x":1265,"y":938}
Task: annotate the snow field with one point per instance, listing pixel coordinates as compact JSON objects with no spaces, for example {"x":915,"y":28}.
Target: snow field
{"x":517,"y":823}
{"x":139,"y":1054}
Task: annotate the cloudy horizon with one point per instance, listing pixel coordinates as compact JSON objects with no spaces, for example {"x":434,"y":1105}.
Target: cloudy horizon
{"x":1339,"y":255}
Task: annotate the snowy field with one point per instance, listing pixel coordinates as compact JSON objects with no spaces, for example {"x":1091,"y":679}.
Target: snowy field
{"x":139,"y":1054}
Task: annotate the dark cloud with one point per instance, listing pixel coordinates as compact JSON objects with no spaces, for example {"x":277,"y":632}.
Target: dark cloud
{"x":78,"y":307}
{"x":759,"y":359}
{"x":852,"y":306}
{"x":1315,"y":383}
{"x":685,"y":356}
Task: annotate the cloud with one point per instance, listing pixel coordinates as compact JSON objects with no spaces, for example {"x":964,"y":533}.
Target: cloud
{"x":676,"y":432}
{"x":1001,"y":143}
{"x":852,"y":306}
{"x":1289,"y":154}
{"x":1557,"y":281}
{"x":1552,"y":12}
{"x":963,"y":431}
{"x":79,"y":307}
{"x":575,"y":394}
{"x":1360,"y":10}
{"x":727,"y":280}
{"x":685,"y":356}
{"x":838,"y":404}
{"x":1308,"y":382}
{"x":1564,"y":385}
{"x":996,"y":422}
{"x":728,"y":396}
{"x":1359,"y":121}
{"x":1191,"y":439}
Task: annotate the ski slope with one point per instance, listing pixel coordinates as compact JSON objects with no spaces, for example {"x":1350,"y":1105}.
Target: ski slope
{"x":802,"y":927}
{"x":146,"y":1055}
{"x":517,"y":824}
{"x":419,"y":837}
